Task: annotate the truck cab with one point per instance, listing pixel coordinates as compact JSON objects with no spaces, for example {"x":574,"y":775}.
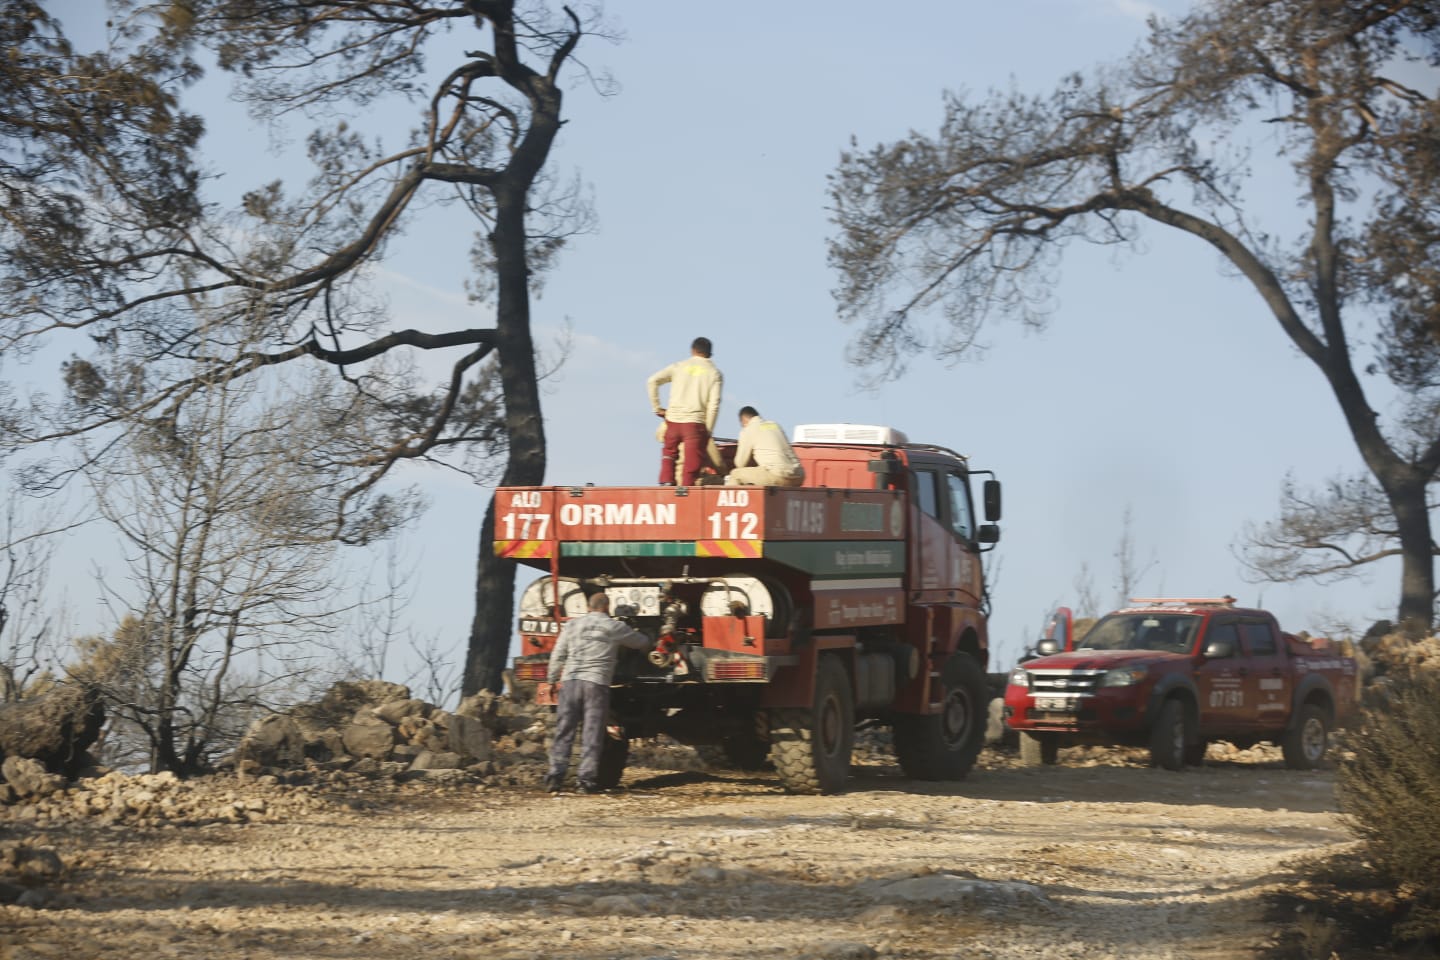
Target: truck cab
{"x":780,"y":616}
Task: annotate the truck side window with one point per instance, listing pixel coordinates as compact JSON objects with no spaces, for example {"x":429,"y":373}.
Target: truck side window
{"x":959,"y":506}
{"x":1223,"y":631}
{"x":1259,"y":639}
{"x":925,"y":494}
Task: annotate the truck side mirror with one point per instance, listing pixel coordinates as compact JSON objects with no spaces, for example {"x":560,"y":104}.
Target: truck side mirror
{"x":988,"y":533}
{"x":992,"y":500}
{"x":1218,"y":650}
{"x":886,"y":467}
{"x":1047,"y":646}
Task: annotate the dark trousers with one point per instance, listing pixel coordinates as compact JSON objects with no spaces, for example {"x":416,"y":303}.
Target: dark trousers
{"x":587,"y":702}
{"x":695,"y":438}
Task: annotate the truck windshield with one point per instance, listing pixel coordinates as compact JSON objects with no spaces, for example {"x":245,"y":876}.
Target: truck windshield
{"x":1169,"y":633}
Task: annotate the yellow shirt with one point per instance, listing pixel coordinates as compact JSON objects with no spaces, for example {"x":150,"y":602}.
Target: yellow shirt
{"x":764,"y":441}
{"x":695,"y":386}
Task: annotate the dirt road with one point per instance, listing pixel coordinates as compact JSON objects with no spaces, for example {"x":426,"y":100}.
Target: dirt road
{"x":1074,"y":861}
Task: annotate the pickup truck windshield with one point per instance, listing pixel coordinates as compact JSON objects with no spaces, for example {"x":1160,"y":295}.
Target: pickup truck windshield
{"x":1169,"y":633}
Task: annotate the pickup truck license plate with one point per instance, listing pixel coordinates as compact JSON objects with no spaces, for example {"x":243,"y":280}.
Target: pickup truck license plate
{"x":1057,"y":704}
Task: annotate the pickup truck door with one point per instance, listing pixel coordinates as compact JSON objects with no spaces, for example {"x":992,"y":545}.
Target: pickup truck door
{"x":1266,"y":680}
{"x":1220,"y":684}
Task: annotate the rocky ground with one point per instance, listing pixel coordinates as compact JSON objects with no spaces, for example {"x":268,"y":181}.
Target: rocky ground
{"x":1098,"y":857}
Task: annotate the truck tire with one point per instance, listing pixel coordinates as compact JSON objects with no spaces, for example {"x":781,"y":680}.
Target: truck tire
{"x":811,"y":747}
{"x":613,"y":756}
{"x":1169,"y":736}
{"x":1195,"y":753}
{"x":1304,"y":743}
{"x":740,"y":752}
{"x":1039,"y":749}
{"x":944,"y":746}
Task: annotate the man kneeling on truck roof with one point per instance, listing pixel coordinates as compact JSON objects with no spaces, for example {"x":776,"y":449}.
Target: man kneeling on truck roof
{"x":763,"y":442}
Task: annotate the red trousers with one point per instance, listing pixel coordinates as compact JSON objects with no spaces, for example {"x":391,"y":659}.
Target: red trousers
{"x":695,"y":438}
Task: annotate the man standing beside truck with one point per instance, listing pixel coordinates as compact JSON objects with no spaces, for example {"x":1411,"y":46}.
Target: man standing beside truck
{"x":583,"y":664}
{"x":695,"y":387}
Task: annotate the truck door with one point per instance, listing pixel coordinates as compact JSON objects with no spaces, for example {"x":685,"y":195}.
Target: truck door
{"x":963,"y":570}
{"x":1219,"y":683}
{"x":1265,"y":675}
{"x":929,"y":544}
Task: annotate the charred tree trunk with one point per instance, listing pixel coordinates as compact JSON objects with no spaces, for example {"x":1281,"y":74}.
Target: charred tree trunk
{"x":1417,"y":552}
{"x":492,"y":628}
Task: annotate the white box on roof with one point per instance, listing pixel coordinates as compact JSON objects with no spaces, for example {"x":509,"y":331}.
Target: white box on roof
{"x":861,"y":433}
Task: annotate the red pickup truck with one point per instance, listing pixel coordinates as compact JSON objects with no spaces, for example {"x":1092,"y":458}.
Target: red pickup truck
{"x":1174,"y":674}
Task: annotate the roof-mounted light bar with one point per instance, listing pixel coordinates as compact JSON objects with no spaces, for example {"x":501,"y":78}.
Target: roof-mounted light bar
{"x":1225,"y":601}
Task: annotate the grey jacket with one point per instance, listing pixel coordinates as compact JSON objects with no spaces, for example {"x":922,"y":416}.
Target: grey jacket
{"x":587,"y":648}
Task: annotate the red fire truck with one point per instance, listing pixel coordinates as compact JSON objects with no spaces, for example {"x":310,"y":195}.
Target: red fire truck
{"x":782,"y":617}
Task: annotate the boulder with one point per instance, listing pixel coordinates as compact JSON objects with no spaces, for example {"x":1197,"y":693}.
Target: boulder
{"x":430,"y":760}
{"x":368,"y":740}
{"x":55,"y":728}
{"x":274,"y":741}
{"x":469,"y":738}
{"x":343,"y":700}
{"x":29,"y":778}
{"x":394,"y":711}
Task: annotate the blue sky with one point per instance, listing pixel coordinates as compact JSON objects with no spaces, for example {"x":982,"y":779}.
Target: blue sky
{"x":1162,"y":385}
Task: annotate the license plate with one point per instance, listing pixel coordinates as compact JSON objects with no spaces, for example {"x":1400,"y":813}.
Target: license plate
{"x":1058,"y":704}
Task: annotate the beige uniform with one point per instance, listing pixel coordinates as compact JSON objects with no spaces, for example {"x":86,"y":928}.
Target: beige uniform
{"x":763,"y":442}
{"x":695,"y":385}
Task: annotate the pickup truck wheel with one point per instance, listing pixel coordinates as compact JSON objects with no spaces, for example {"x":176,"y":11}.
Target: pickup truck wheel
{"x":943,"y":746}
{"x":1195,"y":753}
{"x":1169,"y":735}
{"x":811,"y":748}
{"x":1037,"y":749}
{"x":613,"y":756}
{"x":1304,"y":743}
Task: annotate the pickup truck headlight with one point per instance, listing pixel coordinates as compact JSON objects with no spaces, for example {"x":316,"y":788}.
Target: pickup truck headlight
{"x":1020,"y":677}
{"x":1123,"y":677}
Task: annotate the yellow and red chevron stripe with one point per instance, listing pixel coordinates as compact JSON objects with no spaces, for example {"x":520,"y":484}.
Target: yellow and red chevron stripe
{"x":748,"y":549}
{"x":523,"y":549}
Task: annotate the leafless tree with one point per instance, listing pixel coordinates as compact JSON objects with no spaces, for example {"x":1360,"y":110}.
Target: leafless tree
{"x":1087,"y":600}
{"x":110,"y":241}
{"x":973,"y":220}
{"x":226,"y":512}
{"x":26,"y":622}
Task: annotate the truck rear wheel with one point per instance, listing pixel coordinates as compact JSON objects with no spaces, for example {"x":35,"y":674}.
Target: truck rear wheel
{"x":944,"y":745}
{"x":811,"y":748}
{"x":1037,"y":749}
{"x":613,"y":756}
{"x":1304,"y":744}
{"x":1169,"y":735}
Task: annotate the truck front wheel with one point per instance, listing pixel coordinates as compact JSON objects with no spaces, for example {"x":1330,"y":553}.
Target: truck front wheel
{"x":1169,"y":735}
{"x":1305,"y":742}
{"x":811,"y":748}
{"x":944,"y":745}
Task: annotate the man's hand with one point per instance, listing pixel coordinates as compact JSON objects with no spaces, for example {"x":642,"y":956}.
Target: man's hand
{"x":660,"y":413}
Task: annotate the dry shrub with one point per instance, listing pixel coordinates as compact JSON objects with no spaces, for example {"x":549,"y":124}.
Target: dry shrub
{"x":1394,"y":653}
{"x":1390,"y":793}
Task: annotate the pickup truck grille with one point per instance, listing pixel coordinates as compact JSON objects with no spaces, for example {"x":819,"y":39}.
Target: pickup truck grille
{"x":1075,"y":683}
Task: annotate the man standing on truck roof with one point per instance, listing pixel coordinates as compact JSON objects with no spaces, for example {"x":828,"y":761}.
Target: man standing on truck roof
{"x":695,"y":385}
{"x":583,"y":663}
{"x":763,"y":441}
